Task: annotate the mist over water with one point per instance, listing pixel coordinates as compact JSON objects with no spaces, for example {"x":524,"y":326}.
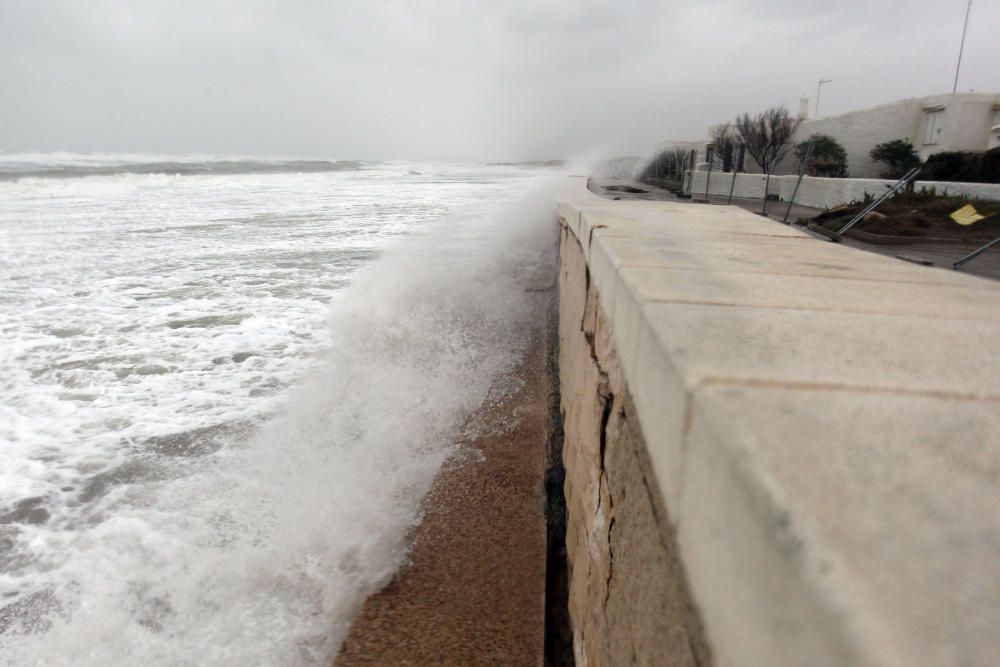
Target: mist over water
{"x":222,"y":395}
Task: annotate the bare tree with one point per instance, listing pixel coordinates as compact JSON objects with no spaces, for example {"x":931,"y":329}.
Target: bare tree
{"x":767,"y":136}
{"x":724,"y":142}
{"x":679,"y":160}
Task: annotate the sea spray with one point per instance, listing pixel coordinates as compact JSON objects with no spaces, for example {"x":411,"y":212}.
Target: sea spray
{"x":258,"y":551}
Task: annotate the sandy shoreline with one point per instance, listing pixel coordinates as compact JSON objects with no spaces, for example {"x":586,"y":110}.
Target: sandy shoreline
{"x":473,"y":591}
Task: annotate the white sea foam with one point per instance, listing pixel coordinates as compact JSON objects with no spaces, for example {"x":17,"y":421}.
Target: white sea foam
{"x":221,"y":398}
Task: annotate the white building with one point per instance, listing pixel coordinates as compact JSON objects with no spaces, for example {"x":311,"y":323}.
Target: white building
{"x":953,"y":122}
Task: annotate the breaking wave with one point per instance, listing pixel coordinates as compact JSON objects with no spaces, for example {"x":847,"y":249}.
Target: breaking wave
{"x":253,"y":540}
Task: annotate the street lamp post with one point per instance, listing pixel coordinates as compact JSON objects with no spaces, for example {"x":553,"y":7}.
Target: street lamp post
{"x":819,"y":87}
{"x":961,"y":48}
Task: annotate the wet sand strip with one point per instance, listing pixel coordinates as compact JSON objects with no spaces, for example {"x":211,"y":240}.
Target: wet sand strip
{"x":473,"y":592}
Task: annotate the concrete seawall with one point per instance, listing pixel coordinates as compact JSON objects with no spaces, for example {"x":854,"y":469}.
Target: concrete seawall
{"x":778,"y":451}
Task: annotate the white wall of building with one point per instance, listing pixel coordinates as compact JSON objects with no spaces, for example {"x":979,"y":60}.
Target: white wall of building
{"x":995,"y":128}
{"x":965,"y":122}
{"x":859,"y":131}
{"x":961,"y":122}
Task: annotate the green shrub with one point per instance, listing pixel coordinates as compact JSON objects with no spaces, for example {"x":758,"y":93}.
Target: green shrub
{"x":898,"y":154}
{"x":829,"y":158}
{"x":989,"y":166}
{"x":960,"y":166}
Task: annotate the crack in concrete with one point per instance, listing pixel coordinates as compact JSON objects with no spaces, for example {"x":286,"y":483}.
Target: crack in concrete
{"x":607,"y":398}
{"x":616,"y":600}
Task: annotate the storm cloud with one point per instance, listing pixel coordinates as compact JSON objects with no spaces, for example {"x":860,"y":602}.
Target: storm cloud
{"x":456,"y":79}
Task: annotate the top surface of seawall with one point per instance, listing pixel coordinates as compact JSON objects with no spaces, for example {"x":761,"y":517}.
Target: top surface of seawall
{"x":824,"y":425}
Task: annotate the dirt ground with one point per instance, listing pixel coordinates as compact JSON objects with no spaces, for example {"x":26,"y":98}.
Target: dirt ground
{"x":921,"y":215}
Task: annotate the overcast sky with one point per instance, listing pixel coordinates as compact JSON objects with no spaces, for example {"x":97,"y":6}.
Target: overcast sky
{"x":457,"y":79}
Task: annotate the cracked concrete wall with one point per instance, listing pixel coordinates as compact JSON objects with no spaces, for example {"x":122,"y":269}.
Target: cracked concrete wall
{"x":628,"y":598}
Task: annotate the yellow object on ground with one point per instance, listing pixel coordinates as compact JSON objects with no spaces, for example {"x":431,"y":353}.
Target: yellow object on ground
{"x":967,"y":215}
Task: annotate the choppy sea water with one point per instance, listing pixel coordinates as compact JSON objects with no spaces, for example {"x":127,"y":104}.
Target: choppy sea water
{"x":226,"y":385}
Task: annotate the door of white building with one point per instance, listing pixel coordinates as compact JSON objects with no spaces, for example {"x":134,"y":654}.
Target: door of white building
{"x":932,"y":127}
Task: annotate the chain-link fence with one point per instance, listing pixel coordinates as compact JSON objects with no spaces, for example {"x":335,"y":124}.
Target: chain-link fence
{"x":835,"y":207}
{"x":719,"y":179}
{"x":669,"y":169}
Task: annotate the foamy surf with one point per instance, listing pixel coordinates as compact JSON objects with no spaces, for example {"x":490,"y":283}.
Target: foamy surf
{"x":251,"y":534}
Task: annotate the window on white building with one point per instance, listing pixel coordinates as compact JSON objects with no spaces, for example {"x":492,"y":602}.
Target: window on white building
{"x":932,"y":127}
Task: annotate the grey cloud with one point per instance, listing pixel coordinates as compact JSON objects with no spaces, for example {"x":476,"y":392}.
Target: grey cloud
{"x":455,"y":79}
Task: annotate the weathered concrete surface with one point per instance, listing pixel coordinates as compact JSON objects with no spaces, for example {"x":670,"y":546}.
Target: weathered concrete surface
{"x":822,"y":429}
{"x":473,"y":592}
{"x":628,"y":601}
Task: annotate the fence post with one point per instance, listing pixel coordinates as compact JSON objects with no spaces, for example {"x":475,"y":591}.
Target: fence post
{"x":975,"y":253}
{"x":709,"y":158}
{"x":737,"y":165}
{"x":692,"y":156}
{"x":767,"y":186}
{"x":798,"y":182}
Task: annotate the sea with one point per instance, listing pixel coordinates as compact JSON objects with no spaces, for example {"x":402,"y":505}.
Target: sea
{"x":227,"y":383}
